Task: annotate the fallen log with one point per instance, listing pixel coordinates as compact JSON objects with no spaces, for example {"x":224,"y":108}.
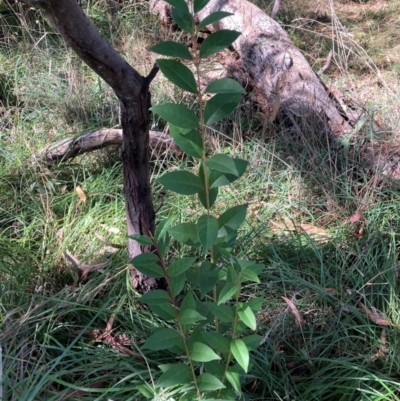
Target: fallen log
{"x":68,"y":148}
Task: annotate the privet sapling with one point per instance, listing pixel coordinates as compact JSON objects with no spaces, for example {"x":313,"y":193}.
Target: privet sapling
{"x":208,"y":331}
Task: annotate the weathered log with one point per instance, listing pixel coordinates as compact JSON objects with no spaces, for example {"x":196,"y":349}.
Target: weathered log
{"x":68,"y":148}
{"x":282,"y":81}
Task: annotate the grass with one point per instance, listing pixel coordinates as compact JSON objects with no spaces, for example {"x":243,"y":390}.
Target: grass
{"x":335,"y":337}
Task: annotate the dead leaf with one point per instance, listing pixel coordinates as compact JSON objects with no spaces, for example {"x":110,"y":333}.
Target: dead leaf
{"x":318,"y":233}
{"x":297,"y":318}
{"x":330,"y":291}
{"x":374,"y":315}
{"x":382,"y":351}
{"x":356,"y":217}
{"x":81,"y":194}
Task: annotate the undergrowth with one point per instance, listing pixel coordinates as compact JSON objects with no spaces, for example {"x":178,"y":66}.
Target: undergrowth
{"x":326,"y":227}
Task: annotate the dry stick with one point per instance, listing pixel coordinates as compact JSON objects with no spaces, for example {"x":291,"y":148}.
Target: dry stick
{"x":275,"y":9}
{"x":71,"y":147}
{"x":327,"y":63}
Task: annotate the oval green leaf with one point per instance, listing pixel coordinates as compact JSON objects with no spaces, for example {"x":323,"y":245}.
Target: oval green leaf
{"x":241,"y":353}
{"x":220,"y":106}
{"x":172,"y":49}
{"x":224,"y":85}
{"x":233,"y":217}
{"x":200,"y":352}
{"x":219,"y":342}
{"x":177,"y":114}
{"x":190,"y":142}
{"x":218,"y":41}
{"x":163,"y":339}
{"x":227,"y":292}
{"x":155,"y":297}
{"x":184,"y":19}
{"x":178,"y":74}
{"x":207,"y":382}
{"x":199,"y":5}
{"x":222,"y":312}
{"x":176,"y":284}
{"x":190,"y":316}
{"x":181,"y":182}
{"x":207,"y":227}
{"x":247,"y":317}
{"x":178,"y":373}
{"x":179,"y":4}
{"x":180,"y":266}
{"x":208,"y":276}
{"x":142,"y":239}
{"x":186,"y":233}
{"x":213,"y":17}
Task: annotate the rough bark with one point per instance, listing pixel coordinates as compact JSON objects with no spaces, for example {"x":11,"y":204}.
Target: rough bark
{"x":133,"y":93}
{"x":282,"y":81}
{"x":69,"y":148}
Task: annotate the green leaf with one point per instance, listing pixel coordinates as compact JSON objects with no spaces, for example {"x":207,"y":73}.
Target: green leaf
{"x":208,"y":276}
{"x":220,"y":106}
{"x":255,"y":304}
{"x":222,"y":312}
{"x":163,"y":339}
{"x":155,"y":297}
{"x":199,"y":5}
{"x":191,"y":142}
{"x":250,"y":275}
{"x":213,"y":17}
{"x":219,"y":342}
{"x":247,"y":317}
{"x":172,"y":49}
{"x":179,"y":4}
{"x":178,"y":74}
{"x":165,"y":311}
{"x":233,"y":217}
{"x":162,"y":237}
{"x":186,"y":233}
{"x":144,"y":259}
{"x":184,"y":19}
{"x":227,"y":292}
{"x":192,"y":275}
{"x":177,"y":114}
{"x":218,"y":179}
{"x":180,"y":266}
{"x":177,"y":283}
{"x":181,"y":182}
{"x":252,"y":341}
{"x":207,"y":382}
{"x":222,"y":163}
{"x":188,"y":302}
{"x":224,"y":85}
{"x":218,"y":41}
{"x":190,"y":316}
{"x":200,"y":352}
{"x":176,"y":374}
{"x":234,"y":379}
{"x":142,"y":239}
{"x":241,"y":353}
{"x":147,"y":263}
{"x":207,"y":227}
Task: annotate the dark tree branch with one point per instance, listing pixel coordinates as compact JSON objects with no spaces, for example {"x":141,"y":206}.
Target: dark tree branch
{"x":132,"y":90}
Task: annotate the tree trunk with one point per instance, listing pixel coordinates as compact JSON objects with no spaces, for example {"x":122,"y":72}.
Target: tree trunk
{"x":132,"y":90}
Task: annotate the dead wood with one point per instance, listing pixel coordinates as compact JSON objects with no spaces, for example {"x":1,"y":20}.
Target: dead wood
{"x":68,"y":148}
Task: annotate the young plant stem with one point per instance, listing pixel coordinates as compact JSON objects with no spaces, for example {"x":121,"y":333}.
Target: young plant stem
{"x":180,"y":327}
